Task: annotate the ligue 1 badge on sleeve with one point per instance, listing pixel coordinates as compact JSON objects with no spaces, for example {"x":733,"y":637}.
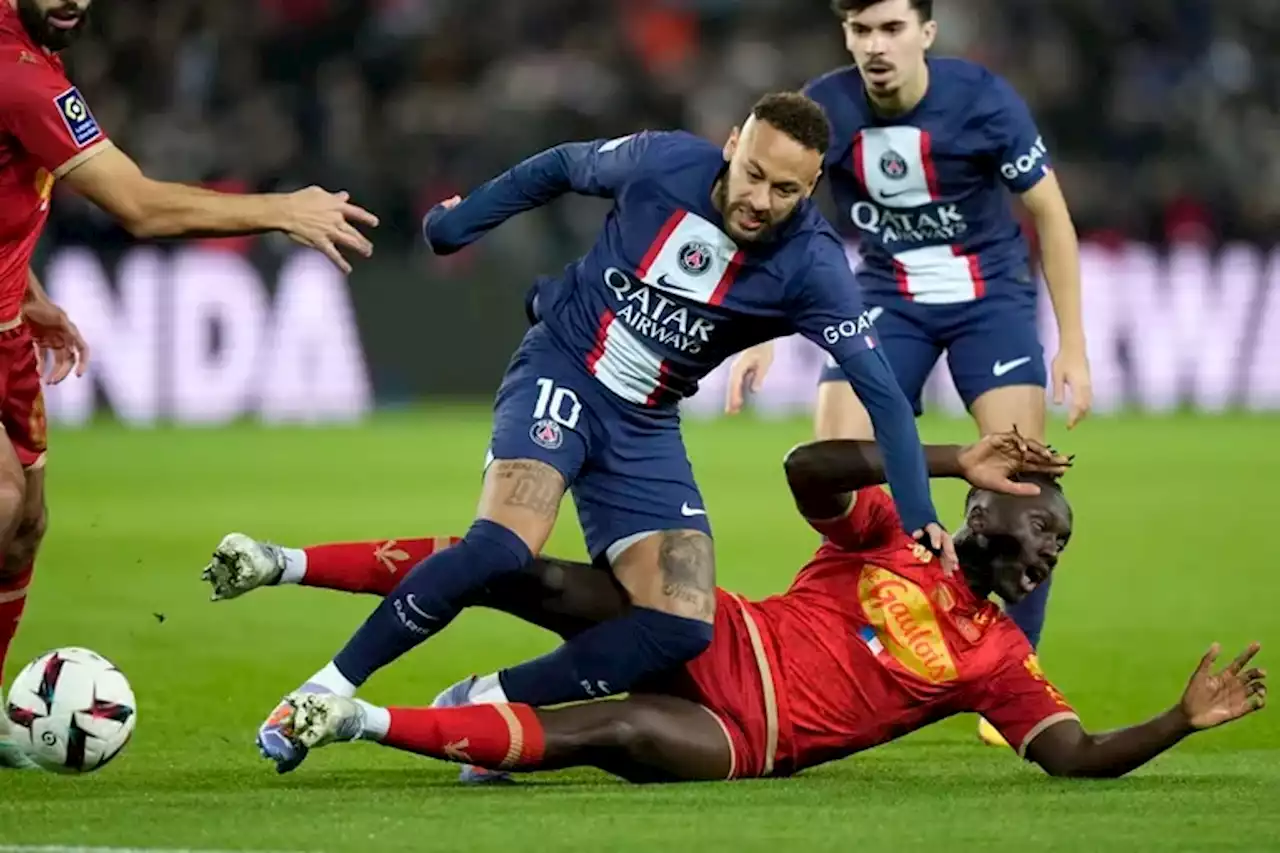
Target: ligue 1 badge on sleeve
{"x":80,"y":123}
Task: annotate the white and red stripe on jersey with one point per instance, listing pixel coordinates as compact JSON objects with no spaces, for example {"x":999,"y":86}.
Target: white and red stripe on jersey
{"x":929,"y":274}
{"x":690,"y":260}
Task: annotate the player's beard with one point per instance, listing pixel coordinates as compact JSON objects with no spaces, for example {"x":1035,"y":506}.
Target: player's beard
{"x":44,"y":33}
{"x":727,"y":208}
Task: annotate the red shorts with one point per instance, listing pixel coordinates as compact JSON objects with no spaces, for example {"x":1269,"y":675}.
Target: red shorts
{"x":734,"y":681}
{"x":21,"y":398}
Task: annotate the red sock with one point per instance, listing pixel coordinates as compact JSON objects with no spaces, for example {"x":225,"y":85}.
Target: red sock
{"x":13,"y":598}
{"x":373,"y":567}
{"x":495,"y":737}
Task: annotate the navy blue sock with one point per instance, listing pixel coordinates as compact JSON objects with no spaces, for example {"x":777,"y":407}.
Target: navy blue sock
{"x":1028,"y":614}
{"x":611,"y":657}
{"x":429,"y":596}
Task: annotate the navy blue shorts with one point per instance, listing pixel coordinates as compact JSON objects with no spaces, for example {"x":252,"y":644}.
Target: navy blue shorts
{"x":990,"y":342}
{"x":625,"y":465}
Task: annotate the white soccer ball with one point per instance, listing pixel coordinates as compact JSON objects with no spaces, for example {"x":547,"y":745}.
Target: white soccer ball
{"x":71,"y":710}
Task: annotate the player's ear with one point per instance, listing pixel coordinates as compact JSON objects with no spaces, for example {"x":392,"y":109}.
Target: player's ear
{"x":731,"y":144}
{"x":930,"y":29}
{"x":976,"y":518}
{"x":813,"y":185}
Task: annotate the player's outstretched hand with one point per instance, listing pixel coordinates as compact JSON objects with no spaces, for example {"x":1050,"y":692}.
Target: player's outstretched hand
{"x":1070,"y":370}
{"x":327,"y":222}
{"x":991,"y":462}
{"x":56,"y":335}
{"x":747,"y":375}
{"x":940,"y":543}
{"x":1212,"y":699}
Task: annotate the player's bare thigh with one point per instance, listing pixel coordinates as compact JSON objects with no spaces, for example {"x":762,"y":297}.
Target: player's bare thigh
{"x":840,"y":414}
{"x":1003,"y":409}
{"x":673,"y":571}
{"x":523,"y":495}
{"x":644,"y":738}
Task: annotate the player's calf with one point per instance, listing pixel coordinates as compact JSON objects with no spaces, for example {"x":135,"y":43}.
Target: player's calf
{"x":16,"y":563}
{"x":670,"y":577}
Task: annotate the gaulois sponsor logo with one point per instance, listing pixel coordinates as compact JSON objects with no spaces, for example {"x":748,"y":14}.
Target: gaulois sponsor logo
{"x":904,"y":619}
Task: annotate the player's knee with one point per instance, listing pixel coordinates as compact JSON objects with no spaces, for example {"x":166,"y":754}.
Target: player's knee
{"x":26,"y":540}
{"x":12,"y":500}
{"x":495,"y":546}
{"x":672,"y":640}
{"x":631,"y":736}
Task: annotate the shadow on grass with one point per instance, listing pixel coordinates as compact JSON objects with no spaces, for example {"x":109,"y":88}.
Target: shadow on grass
{"x":908,"y":781}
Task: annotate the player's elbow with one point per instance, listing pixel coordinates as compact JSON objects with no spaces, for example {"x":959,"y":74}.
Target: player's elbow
{"x":1081,"y":762}
{"x":801,"y":464}
{"x":1080,"y":770}
{"x":140,"y":211}
{"x":437,"y":233}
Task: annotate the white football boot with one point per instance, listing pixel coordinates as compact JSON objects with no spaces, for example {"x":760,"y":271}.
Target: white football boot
{"x":241,"y":563}
{"x":11,"y":755}
{"x":319,"y":719}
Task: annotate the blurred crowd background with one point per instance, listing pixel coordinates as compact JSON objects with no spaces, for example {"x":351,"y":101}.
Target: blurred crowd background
{"x":1161,"y":114}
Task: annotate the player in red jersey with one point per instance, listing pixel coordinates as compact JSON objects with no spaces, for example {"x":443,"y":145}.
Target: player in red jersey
{"x":48,"y":134}
{"x":873,"y":640}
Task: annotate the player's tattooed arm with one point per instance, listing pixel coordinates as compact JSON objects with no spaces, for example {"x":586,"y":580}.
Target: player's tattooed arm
{"x":688,"y":564}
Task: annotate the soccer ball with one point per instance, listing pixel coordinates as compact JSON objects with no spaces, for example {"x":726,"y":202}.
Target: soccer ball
{"x":71,"y":711}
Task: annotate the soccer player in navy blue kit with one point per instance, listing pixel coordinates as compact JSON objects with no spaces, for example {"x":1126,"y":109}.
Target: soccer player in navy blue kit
{"x":706,"y":251}
{"x":924,"y":155}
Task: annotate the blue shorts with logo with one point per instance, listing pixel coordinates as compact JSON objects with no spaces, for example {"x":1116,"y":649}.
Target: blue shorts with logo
{"x":992,"y":342}
{"x":625,"y":465}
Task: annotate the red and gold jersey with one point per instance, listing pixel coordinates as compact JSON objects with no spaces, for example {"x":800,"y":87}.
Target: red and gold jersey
{"x":875,"y":640}
{"x":46,"y":130}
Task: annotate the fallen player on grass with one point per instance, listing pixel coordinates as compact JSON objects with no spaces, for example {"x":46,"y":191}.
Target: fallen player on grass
{"x":873,"y":640}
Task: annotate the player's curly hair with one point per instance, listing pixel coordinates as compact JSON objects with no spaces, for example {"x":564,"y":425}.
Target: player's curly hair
{"x":798,"y":116}
{"x":842,"y":8}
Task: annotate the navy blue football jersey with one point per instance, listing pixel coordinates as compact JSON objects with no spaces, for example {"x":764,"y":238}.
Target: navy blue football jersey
{"x":927,"y":192}
{"x":665,"y":294}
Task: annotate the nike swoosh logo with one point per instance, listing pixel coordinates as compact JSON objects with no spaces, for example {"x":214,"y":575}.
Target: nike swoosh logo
{"x":413,"y":605}
{"x":689,"y":512}
{"x":1000,"y":368}
{"x":886,"y":196}
{"x":667,"y":284}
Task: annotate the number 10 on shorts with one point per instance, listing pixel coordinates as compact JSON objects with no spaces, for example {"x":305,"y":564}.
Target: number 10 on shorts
{"x":557,"y":403}
{"x":556,"y":408}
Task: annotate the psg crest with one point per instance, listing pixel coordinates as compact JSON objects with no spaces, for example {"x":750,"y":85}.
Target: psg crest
{"x":546,"y":433}
{"x":893,"y":165}
{"x":694,"y":257}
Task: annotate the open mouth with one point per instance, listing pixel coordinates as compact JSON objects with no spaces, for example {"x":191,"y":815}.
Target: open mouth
{"x":749,"y":221}
{"x":63,"y":20}
{"x":878,"y":73}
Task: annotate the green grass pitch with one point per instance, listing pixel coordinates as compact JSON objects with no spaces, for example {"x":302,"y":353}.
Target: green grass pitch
{"x":1175,"y":520}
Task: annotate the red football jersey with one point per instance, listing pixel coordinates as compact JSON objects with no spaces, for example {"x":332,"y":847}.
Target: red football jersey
{"x":46,"y":130}
{"x":874,"y":640}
